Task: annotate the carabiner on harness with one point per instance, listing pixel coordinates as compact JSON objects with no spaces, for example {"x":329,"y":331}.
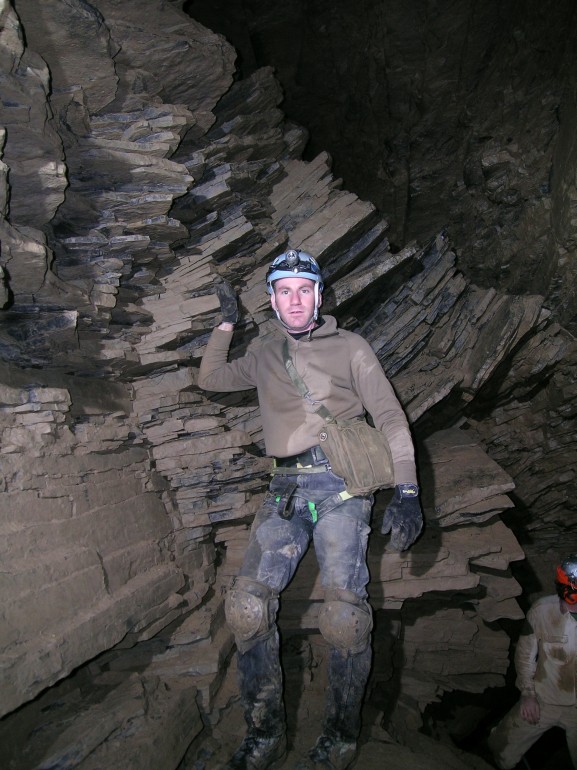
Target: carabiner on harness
{"x":285,"y":503}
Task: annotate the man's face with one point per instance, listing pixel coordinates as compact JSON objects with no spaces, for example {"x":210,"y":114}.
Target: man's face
{"x":294,"y":299}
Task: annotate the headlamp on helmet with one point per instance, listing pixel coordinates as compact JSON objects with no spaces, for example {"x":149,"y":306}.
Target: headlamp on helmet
{"x":294,"y":264}
{"x":566,"y":580}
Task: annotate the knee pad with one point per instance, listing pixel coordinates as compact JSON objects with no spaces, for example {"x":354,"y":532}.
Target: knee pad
{"x":345,"y":621}
{"x":248,"y":611}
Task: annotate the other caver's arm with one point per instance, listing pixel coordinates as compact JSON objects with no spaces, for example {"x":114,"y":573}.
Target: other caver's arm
{"x":526,"y":654}
{"x":526,"y":658}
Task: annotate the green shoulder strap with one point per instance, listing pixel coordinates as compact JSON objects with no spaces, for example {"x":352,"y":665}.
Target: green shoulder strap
{"x":300,"y":385}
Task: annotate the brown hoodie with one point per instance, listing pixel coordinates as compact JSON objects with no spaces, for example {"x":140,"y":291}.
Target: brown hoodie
{"x":339,"y":368}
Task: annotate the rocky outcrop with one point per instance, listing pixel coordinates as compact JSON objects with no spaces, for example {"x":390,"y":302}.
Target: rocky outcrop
{"x":92,"y":548}
{"x":127,"y":492}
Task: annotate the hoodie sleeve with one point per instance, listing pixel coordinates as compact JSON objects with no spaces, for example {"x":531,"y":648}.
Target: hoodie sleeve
{"x":526,"y":658}
{"x":380,"y":401}
{"x":217,"y":374}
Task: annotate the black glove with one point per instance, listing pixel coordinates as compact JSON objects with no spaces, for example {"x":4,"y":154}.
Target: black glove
{"x":228,"y":302}
{"x":403,"y":517}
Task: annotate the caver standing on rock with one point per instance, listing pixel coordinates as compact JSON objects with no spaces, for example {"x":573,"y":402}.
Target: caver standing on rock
{"x":546,"y":666}
{"x":308,"y":502}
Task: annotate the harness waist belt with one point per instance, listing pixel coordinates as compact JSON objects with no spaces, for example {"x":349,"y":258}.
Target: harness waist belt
{"x":312,"y":456}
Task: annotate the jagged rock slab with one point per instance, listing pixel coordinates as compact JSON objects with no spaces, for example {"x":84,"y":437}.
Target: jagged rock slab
{"x":460,"y":482}
{"x":129,"y":721}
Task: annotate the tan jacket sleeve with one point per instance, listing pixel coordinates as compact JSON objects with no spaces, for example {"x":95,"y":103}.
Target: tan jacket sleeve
{"x":216,"y":373}
{"x":381,"y":402}
{"x":526,"y":659}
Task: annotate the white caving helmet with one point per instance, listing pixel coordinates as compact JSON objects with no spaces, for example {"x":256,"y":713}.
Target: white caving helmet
{"x":292,"y":264}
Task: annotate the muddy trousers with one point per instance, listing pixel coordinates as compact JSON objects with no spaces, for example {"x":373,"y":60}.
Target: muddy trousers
{"x":261,"y":689}
{"x":513,"y":736}
{"x":340,"y":535}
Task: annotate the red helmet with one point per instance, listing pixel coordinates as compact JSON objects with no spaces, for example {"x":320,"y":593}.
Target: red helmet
{"x":566,"y":579}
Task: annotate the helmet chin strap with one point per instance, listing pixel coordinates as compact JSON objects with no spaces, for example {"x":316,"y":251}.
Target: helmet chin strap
{"x":316,"y":312}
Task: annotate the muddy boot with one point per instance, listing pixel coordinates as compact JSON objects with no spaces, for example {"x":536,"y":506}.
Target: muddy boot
{"x":258,"y":753}
{"x":329,"y":753}
{"x":260,"y":679}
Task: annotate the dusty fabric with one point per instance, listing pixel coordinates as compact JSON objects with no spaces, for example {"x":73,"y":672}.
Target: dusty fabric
{"x":546,"y":654}
{"x":339,"y":368}
{"x":513,"y":736}
{"x":545,"y":661}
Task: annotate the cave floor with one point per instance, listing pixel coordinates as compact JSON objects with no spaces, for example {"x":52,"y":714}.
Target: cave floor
{"x":304,"y":700}
{"x":213,"y":752}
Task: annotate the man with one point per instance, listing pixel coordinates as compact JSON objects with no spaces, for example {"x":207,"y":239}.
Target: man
{"x":343,"y":373}
{"x":545,"y":661}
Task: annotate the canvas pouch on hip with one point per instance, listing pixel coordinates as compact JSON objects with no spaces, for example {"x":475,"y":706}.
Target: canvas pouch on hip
{"x":358,"y":453}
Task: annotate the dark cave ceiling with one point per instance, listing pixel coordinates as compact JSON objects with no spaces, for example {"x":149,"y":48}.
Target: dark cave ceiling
{"x":445,"y":115}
